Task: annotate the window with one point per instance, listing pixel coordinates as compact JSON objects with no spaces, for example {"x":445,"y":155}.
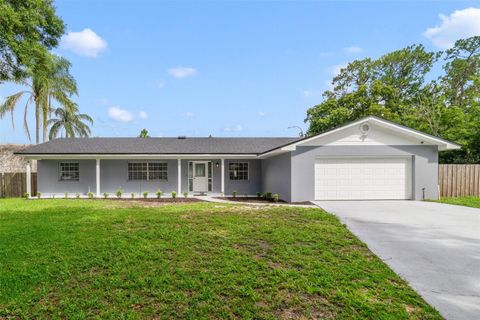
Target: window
{"x":238,"y":170}
{"x":157,"y":171}
{"x":69,"y":171}
{"x":148,"y":171}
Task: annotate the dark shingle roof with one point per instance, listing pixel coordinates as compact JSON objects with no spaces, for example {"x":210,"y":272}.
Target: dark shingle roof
{"x":158,"y":146}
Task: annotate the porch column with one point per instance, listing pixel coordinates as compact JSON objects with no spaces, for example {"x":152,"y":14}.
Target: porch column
{"x":179,"y":192}
{"x":97,"y":177}
{"x":222,"y":184}
{"x":29,"y":178}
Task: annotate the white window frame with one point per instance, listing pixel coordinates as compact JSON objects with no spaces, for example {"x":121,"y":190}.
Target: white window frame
{"x":61,"y":172}
{"x":148,"y":163}
{"x":239,"y":162}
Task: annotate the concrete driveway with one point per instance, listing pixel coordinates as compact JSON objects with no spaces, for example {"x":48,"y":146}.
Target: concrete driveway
{"x":435,"y":247}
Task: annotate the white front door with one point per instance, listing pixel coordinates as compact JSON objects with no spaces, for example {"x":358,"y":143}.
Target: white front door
{"x":200,"y":176}
{"x":363,"y":178}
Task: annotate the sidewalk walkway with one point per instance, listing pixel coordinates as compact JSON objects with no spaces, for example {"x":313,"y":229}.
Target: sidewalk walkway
{"x":217,"y":200}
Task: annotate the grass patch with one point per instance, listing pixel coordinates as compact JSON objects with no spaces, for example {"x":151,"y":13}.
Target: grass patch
{"x":114,"y":259}
{"x":473,"y":202}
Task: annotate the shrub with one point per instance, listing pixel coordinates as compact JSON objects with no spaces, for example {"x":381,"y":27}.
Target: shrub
{"x":259,"y":194}
{"x":26,"y":195}
{"x":66,"y":195}
{"x":276,"y":197}
{"x":119,"y":192}
{"x":77,"y":195}
{"x":174,"y":194}
{"x":268,"y":195}
{"x":105,"y":195}
{"x":145,"y":194}
{"x":132,"y":195}
{"x":90,"y":195}
{"x":234,"y":194}
{"x":159,"y":193}
{"x":185,"y":194}
{"x":39,"y":194}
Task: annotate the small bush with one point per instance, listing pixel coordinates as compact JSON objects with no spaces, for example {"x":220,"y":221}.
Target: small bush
{"x":90,"y":195}
{"x":119,"y":192}
{"x":77,"y":195}
{"x":159,"y":193}
{"x":174,"y":194}
{"x":234,"y":194}
{"x":66,"y":195}
{"x":145,"y":194}
{"x":259,"y":195}
{"x":132,"y":195}
{"x":26,"y":195}
{"x":268,"y":196}
{"x":276,"y":197}
{"x":105,"y":195}
{"x":39,"y":194}
{"x":185,"y":194}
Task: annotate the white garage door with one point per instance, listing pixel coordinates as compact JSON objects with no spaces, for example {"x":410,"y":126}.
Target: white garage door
{"x":362,"y":178}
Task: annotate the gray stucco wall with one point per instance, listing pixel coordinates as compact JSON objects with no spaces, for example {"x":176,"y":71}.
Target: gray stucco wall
{"x":249,"y":187}
{"x":48,"y":177}
{"x":424,"y":167}
{"x":277,"y":176}
{"x":114,"y":175}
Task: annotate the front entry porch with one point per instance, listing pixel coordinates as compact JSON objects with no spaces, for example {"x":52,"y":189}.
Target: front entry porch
{"x":210,"y":176}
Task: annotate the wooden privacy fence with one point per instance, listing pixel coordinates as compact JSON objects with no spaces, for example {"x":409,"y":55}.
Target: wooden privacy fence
{"x":14,"y":184}
{"x":459,"y":180}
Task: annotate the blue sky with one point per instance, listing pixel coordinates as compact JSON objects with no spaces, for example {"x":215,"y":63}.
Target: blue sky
{"x":229,"y":69}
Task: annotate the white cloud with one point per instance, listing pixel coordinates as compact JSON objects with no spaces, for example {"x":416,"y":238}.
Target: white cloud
{"x":118,"y":114}
{"x":236,"y":128}
{"x":85,"y":43}
{"x":353,"y":50}
{"x":182,"y":72}
{"x":459,"y":24}
{"x":189,"y":114}
{"x":143,"y":115}
{"x":262,"y":113}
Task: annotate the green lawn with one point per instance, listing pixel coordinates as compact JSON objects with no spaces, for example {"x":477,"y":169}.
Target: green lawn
{"x":473,"y":202}
{"x":77,"y":259}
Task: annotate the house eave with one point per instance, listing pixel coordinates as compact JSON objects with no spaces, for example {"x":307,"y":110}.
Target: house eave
{"x":106,"y":156}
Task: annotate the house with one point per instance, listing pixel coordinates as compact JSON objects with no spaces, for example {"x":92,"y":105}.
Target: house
{"x":371,"y":158}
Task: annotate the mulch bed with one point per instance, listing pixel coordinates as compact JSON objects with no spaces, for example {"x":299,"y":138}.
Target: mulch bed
{"x":260,"y":200}
{"x":162,"y":200}
{"x":168,"y":200}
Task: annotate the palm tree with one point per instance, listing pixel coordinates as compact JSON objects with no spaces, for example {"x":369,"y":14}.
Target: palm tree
{"x":69,"y":122}
{"x":50,"y":81}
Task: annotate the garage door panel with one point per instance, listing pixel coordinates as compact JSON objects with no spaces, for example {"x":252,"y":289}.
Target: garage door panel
{"x":362,"y":178}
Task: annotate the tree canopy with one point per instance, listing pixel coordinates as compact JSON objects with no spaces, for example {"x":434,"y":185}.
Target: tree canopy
{"x":28,"y":30}
{"x":396,"y":87}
